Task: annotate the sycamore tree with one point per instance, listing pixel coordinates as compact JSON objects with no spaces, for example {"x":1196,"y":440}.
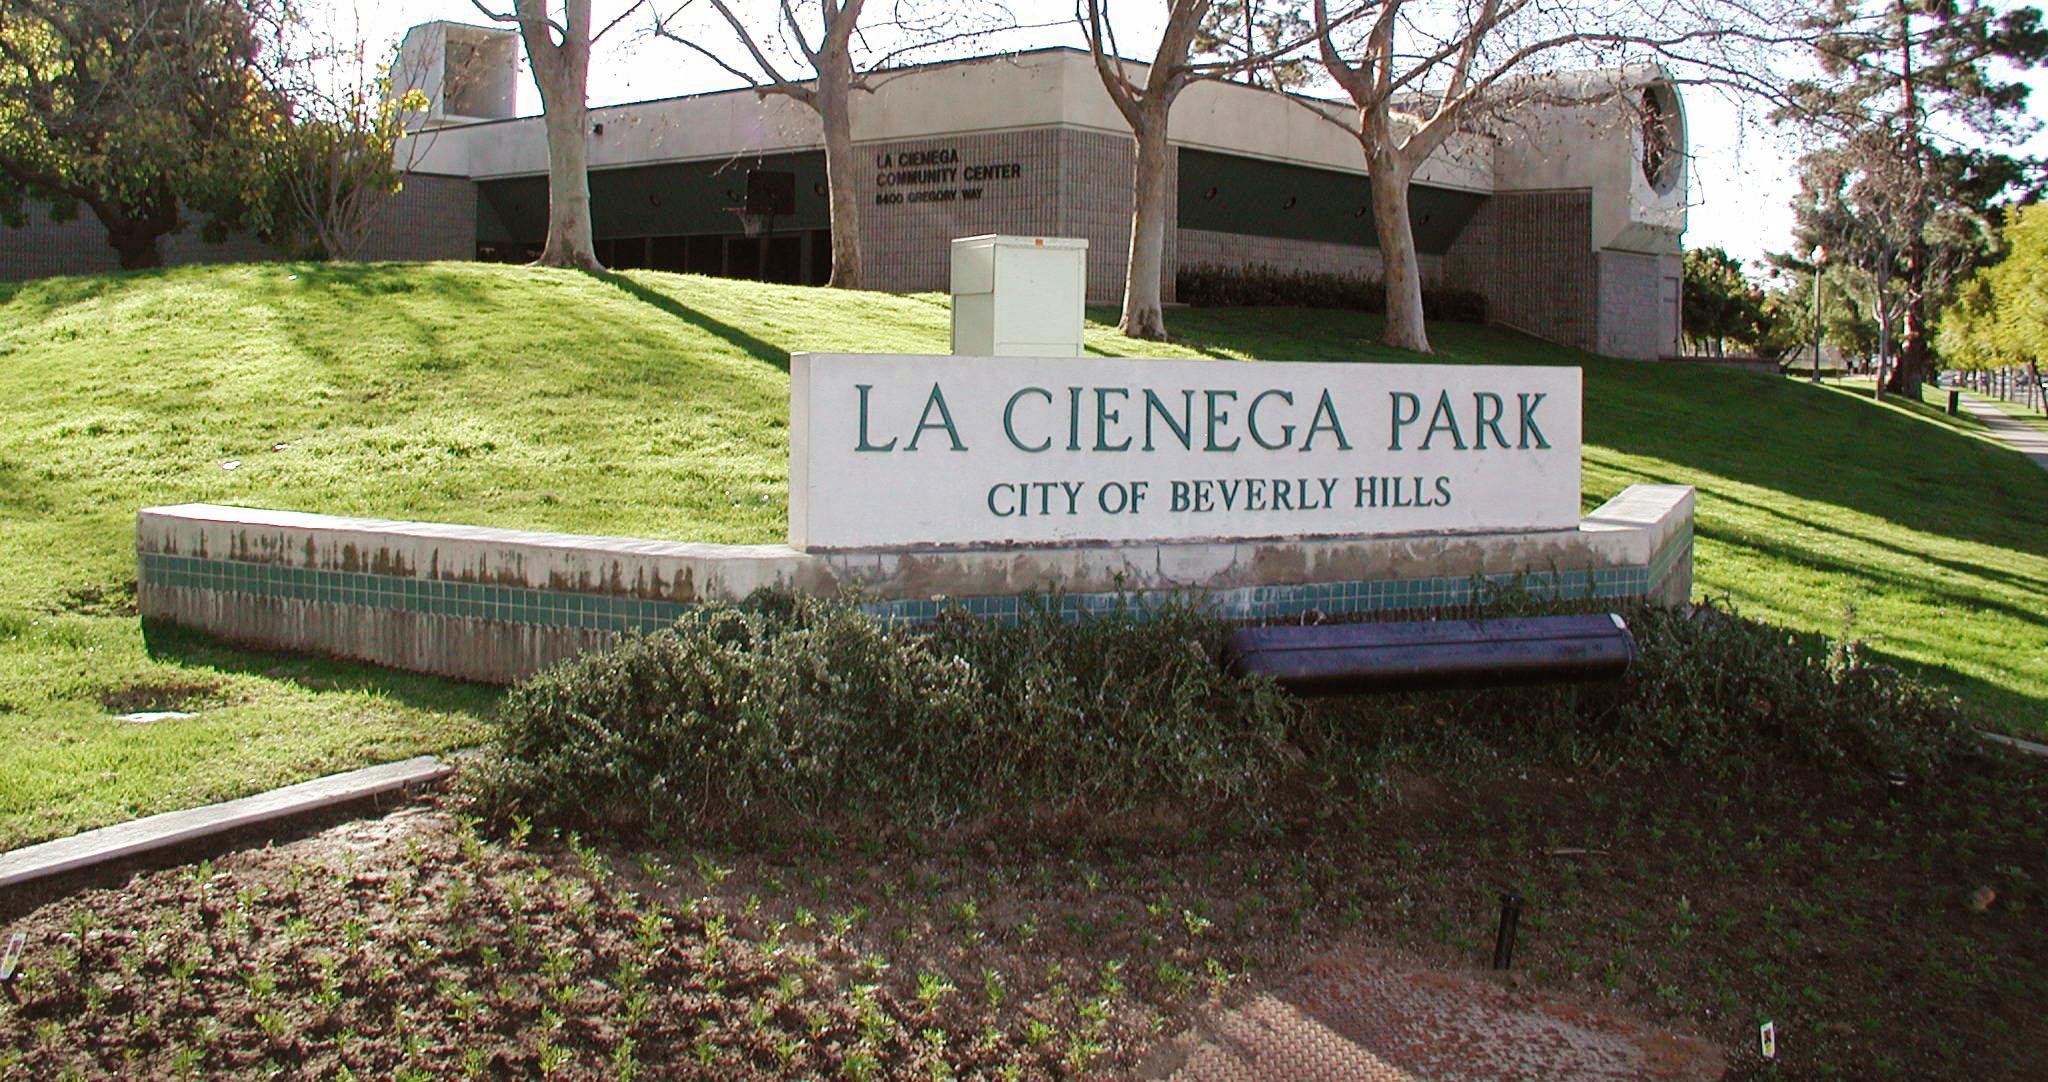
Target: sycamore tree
{"x":558,"y":37}
{"x":1420,"y":71}
{"x":820,"y":54}
{"x":140,"y":111}
{"x":1200,"y":40}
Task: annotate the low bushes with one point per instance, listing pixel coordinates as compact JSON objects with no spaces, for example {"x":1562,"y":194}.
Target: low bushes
{"x":814,"y":708}
{"x":1709,"y":690}
{"x":788,"y":711}
{"x":1259,"y":284}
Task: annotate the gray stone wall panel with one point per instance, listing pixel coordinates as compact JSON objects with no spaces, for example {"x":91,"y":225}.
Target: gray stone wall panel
{"x":1631,"y":319}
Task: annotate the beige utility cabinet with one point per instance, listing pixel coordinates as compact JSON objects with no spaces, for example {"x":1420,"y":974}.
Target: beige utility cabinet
{"x":1018,"y":296}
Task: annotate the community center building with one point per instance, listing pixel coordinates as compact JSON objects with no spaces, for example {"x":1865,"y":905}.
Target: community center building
{"x":1566,"y":218}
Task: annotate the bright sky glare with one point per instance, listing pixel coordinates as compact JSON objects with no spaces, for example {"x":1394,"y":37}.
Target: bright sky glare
{"x":1743,"y":171}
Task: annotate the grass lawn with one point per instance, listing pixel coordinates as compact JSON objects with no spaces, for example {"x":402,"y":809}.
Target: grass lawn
{"x":654,"y":405}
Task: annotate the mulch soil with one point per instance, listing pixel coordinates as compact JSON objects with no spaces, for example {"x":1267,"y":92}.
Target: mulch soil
{"x":1885,"y":931}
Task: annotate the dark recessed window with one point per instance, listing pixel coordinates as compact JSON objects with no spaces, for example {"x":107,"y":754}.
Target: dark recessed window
{"x":818,"y":189}
{"x":1211,"y":193}
{"x":1662,"y":130}
{"x":1291,"y":200}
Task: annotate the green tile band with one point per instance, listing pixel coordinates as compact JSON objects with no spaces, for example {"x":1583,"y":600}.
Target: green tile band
{"x":605,"y":612}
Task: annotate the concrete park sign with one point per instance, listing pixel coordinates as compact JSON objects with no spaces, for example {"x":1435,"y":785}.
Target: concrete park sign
{"x":914,"y":451}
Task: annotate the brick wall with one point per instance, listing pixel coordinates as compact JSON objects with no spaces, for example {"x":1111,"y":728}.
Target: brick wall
{"x":434,"y":217}
{"x":431,"y":217}
{"x":1531,"y":255}
{"x":44,"y":247}
{"x":907,"y":246}
{"x":1207,"y":248}
{"x":1073,"y":184}
{"x":1095,"y":202}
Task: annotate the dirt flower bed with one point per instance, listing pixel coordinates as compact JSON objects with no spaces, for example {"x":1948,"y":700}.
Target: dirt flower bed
{"x":1886,"y":934}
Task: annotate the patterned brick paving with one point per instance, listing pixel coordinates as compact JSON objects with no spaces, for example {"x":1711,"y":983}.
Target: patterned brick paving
{"x":1358,"y":1016}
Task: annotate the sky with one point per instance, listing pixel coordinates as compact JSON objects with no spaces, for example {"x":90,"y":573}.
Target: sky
{"x":1743,"y":179}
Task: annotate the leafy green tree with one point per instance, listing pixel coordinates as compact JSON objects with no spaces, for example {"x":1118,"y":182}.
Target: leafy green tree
{"x":1899,"y":79}
{"x":1720,"y":305}
{"x":139,"y":111}
{"x":1999,"y":318}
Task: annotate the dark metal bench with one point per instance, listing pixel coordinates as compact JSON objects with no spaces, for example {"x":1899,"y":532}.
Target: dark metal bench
{"x":1336,"y":658}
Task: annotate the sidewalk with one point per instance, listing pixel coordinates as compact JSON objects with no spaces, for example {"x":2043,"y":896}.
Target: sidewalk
{"x":1357,"y":1016}
{"x":2021,"y":437}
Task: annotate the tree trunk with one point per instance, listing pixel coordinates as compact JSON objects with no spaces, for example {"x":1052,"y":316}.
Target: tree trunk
{"x":1884,"y":318}
{"x":1399,"y":272}
{"x":562,"y":72}
{"x":835,"y":113}
{"x":1144,"y":313}
{"x":132,"y":231}
{"x":1912,"y":366}
{"x":568,"y":243}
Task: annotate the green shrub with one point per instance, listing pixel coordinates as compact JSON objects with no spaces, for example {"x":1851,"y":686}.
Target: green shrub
{"x":1709,"y":689}
{"x":1258,"y":284}
{"x":802,"y":711}
{"x":817,"y":709}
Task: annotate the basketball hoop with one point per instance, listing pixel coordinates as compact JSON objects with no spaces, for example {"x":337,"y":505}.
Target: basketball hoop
{"x":753,"y":224}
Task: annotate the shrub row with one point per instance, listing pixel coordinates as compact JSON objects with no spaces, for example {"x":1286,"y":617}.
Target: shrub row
{"x":1258,"y":284}
{"x":815,"y":708}
{"x":785,"y":711}
{"x":1709,"y":690}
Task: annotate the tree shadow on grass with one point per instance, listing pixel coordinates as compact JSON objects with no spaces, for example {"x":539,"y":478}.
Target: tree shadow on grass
{"x":757,"y":348}
{"x":1877,"y":579}
{"x":2010,"y":578}
{"x":1824,"y":445}
{"x":1889,"y":465}
{"x":168,"y":642}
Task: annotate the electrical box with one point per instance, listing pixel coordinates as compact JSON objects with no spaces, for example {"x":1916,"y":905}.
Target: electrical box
{"x":1018,"y":296}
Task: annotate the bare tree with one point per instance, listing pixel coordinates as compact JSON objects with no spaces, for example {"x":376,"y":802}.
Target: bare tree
{"x":559,"y":50}
{"x":823,"y":65}
{"x":1420,"y":71}
{"x":342,"y":156}
{"x":1146,"y":103}
{"x":1145,"y":108}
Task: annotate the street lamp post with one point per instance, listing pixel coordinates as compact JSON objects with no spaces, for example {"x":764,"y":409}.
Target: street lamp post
{"x":1820,"y":257}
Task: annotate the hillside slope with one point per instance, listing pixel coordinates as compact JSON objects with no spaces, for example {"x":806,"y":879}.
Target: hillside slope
{"x":653,"y":404}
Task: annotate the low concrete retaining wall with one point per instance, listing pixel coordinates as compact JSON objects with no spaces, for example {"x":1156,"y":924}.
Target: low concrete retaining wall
{"x":497,"y":605}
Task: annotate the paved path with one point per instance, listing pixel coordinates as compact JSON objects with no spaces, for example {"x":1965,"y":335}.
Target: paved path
{"x":175,"y":828}
{"x":2018,"y":435}
{"x":1356,"y":1016}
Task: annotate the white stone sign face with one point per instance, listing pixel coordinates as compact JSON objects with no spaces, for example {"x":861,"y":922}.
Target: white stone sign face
{"x":908,"y":451}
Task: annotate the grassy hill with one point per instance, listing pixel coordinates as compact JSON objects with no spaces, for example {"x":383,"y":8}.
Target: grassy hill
{"x":654,"y":405}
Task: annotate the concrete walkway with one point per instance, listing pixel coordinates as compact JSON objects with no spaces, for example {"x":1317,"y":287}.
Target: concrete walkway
{"x":139,"y":836}
{"x":2018,"y":435}
{"x":1356,"y":1016}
